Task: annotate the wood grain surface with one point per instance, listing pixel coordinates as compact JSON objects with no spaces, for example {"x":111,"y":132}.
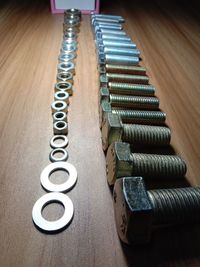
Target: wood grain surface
{"x":168,"y":35}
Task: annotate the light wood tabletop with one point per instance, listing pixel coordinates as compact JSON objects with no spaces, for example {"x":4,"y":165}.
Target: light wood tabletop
{"x":168,"y":36}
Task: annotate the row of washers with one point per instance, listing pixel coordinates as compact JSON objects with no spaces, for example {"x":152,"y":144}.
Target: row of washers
{"x":63,"y":89}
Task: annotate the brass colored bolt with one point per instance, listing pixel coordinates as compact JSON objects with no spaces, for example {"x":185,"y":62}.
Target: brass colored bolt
{"x":149,"y":117}
{"x":123,"y":69}
{"x":121,"y":162}
{"x":131,"y":89}
{"x":138,"y":211}
{"x":129,"y":101}
{"x":123,"y":78}
{"x":113,"y":130}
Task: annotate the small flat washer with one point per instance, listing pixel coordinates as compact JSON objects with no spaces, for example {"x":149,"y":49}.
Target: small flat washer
{"x":58,"y":150}
{"x":51,"y":226}
{"x":53,"y":144}
{"x":55,"y":166}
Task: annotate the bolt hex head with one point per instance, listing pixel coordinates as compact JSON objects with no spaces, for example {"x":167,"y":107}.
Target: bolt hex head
{"x":133,"y":210}
{"x":118,"y":161}
{"x":111,"y":130}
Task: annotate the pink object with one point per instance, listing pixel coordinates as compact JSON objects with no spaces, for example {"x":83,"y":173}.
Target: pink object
{"x":85,"y":12}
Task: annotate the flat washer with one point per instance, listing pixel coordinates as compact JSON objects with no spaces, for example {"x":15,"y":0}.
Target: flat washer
{"x":51,"y":226}
{"x":49,"y":169}
{"x":60,"y":145}
{"x":58,"y":150}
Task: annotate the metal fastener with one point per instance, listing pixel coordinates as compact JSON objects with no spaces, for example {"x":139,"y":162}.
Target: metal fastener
{"x":62,"y":95}
{"x":72,"y":11}
{"x":64,"y":86}
{"x":138,"y":211}
{"x":113,"y":130}
{"x":122,"y":69}
{"x":104,"y":16}
{"x":59,"y":106}
{"x":119,"y":51}
{"x":115,"y":43}
{"x":123,"y":78}
{"x":66,"y":57}
{"x":121,"y":162}
{"x":60,"y":128}
{"x":66,"y":67}
{"x":129,"y":101}
{"x":65,"y":77}
{"x":131,"y":88}
{"x":149,"y":117}
{"x":59,"y":116}
{"x":117,"y":59}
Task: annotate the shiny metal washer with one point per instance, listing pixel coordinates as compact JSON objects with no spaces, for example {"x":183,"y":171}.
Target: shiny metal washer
{"x":57,"y":159}
{"x":63,"y":144}
{"x":59,"y":224}
{"x":49,"y":169}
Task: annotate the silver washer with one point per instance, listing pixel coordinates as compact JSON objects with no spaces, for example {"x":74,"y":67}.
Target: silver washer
{"x":58,"y":150}
{"x":49,"y":169}
{"x":52,"y":225}
{"x":65,"y":142}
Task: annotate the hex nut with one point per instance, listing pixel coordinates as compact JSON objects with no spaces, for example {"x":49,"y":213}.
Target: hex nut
{"x":61,"y":96}
{"x":64,"y":57}
{"x":60,"y":127}
{"x":70,"y":29}
{"x":65,"y":77}
{"x":60,"y":116}
{"x":66,"y":67}
{"x":59,"y":106}
{"x":64,"y":86}
{"x":73,"y":11}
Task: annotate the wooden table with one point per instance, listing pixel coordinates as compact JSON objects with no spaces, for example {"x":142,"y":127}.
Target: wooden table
{"x":168,"y":35}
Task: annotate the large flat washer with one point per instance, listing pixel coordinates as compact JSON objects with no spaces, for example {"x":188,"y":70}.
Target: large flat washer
{"x":53,"y":167}
{"x":51,"y":226}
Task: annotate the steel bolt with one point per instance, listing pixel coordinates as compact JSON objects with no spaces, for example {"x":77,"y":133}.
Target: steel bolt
{"x":106,"y":16}
{"x":121,"y":162}
{"x":129,"y":101}
{"x":119,"y":51}
{"x":113,"y":130}
{"x":133,"y":116}
{"x":138,"y":211}
{"x":115,"y":43}
{"x":117,"y":59}
{"x":131,"y":89}
{"x":123,"y":78}
{"x":122,"y":69}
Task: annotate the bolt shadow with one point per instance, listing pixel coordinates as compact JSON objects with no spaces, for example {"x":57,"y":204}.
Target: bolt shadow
{"x":177,"y":245}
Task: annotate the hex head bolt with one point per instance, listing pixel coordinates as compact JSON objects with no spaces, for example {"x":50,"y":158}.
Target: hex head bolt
{"x":122,"y":69}
{"x":113,"y":130}
{"x":131,"y":89}
{"x":119,"y":51}
{"x":123,"y":78}
{"x":121,"y":162}
{"x":129,"y":101}
{"x":138,"y":211}
{"x":117,"y":59}
{"x":149,"y":117}
{"x":106,"y":16}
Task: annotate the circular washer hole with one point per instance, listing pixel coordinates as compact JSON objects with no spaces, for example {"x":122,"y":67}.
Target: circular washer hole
{"x":53,"y":211}
{"x":59,"y":115}
{"x":65,"y":75}
{"x":64,"y":85}
{"x":59,"y":176}
{"x":58,"y":105}
{"x":65,"y":65}
{"x":58,"y":140}
{"x":60,"y":124}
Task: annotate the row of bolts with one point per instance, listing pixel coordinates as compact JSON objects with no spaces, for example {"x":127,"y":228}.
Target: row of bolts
{"x":130,"y":116}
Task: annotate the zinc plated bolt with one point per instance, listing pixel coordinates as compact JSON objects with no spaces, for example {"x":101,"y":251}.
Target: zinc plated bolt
{"x":138,"y":211}
{"x":117,"y":59}
{"x":108,"y":20}
{"x":99,"y":27}
{"x":113,"y":130}
{"x":115,"y":38}
{"x":115,"y":43}
{"x":122,"y":69}
{"x":131,"y":89}
{"x":148,"y":117}
{"x":119,"y":51}
{"x":117,"y":18}
{"x":129,"y":101}
{"x":121,"y":162}
{"x":125,"y":78}
{"x":109,"y":32}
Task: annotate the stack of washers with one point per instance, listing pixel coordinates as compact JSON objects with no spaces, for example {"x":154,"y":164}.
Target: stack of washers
{"x":136,"y":139}
{"x":63,"y":89}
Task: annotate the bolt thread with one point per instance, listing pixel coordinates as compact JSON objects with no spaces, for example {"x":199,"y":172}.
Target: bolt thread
{"x":134,"y":101}
{"x":146,"y":135}
{"x":134,"y":89}
{"x":127,"y":78}
{"x":140,"y":116}
{"x":157,"y":166}
{"x":173,"y":206}
{"x":125,"y":69}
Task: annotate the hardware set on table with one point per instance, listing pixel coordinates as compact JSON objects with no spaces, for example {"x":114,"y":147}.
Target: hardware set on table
{"x":132,"y":126}
{"x":135,"y":138}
